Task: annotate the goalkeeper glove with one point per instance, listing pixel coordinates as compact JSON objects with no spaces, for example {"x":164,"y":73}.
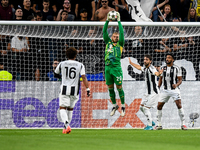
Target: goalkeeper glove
{"x":88,"y":92}
{"x":118,"y":16}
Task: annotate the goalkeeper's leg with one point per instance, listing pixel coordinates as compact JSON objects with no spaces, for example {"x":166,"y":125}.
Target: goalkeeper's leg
{"x":110,"y":83}
{"x":112,"y":97}
{"x":121,"y":95}
{"x":118,"y":79}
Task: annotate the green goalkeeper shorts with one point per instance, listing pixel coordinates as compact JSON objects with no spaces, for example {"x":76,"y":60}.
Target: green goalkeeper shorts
{"x":113,"y":75}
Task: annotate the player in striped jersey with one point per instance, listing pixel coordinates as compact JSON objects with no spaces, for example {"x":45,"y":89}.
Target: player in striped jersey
{"x":151,"y":96}
{"x":171,"y":79}
{"x":70,"y":71}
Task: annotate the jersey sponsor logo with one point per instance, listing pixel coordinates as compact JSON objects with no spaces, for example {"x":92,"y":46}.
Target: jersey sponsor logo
{"x":27,"y":111}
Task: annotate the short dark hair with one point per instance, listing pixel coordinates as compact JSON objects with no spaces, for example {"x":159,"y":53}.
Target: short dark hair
{"x":46,"y":1}
{"x":39,"y":14}
{"x":71,"y":53}
{"x":63,"y":12}
{"x":55,"y":59}
{"x":19,"y":8}
{"x":148,"y":56}
{"x":30,"y":17}
{"x":83,"y":10}
{"x":170,"y":55}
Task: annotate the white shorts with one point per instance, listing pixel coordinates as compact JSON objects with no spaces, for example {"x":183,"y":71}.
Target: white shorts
{"x":150,"y":100}
{"x":166,"y":94}
{"x":68,"y":100}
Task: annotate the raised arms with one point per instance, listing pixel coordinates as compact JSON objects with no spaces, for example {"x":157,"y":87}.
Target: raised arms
{"x":105,"y":32}
{"x":121,"y":31}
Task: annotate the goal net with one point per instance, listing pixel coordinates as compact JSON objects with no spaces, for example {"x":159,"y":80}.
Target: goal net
{"x":30,"y":51}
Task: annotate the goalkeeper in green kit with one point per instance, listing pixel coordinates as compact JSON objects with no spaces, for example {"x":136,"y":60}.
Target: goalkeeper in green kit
{"x":113,"y":70}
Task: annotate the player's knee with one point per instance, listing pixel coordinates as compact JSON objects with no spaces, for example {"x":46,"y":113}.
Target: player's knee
{"x":111,"y":86}
{"x":119,"y":87}
{"x":62,"y":107}
{"x":179,"y":106}
{"x":159,"y":107}
{"x":119,"y":90}
{"x":111,"y":90}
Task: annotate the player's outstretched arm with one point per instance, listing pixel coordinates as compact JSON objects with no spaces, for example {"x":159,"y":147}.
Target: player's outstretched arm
{"x":159,"y":72}
{"x":135,"y":65}
{"x":85,"y":82}
{"x":121,"y":31}
{"x":106,"y":38}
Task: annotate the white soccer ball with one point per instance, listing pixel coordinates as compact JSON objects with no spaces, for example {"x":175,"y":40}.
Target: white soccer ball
{"x":113,"y":15}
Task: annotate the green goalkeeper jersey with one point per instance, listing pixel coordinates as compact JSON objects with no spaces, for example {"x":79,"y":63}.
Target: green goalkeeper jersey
{"x":113,"y":51}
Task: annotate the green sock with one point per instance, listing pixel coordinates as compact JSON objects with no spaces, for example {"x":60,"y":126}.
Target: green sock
{"x":121,"y":95}
{"x":112,"y":95}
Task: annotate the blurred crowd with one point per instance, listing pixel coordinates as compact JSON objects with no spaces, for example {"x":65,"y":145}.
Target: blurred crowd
{"x":92,"y":10}
{"x":31,"y":58}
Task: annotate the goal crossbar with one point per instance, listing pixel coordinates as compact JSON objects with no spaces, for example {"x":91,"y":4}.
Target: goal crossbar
{"x":94,"y":30}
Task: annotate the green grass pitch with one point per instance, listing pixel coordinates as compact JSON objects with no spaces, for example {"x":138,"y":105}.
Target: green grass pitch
{"x":100,"y":139}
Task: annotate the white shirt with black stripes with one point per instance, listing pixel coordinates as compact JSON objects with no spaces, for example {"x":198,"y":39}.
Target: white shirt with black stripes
{"x":70,"y":71}
{"x":151,"y":79}
{"x":170,"y":76}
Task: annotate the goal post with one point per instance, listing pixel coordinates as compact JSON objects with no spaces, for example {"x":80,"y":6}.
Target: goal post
{"x":29,"y":51}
